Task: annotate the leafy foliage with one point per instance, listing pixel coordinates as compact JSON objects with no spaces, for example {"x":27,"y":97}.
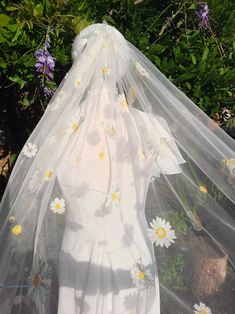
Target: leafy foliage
{"x":199,"y":61}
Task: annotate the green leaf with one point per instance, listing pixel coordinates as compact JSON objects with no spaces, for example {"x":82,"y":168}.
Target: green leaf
{"x":192,"y":6}
{"x":4,"y":20}
{"x":205,"y":54}
{"x":188,"y":85}
{"x":12,"y":27}
{"x":2,"y":38}
{"x":17,"y":34}
{"x":25,"y":102}
{"x":17,"y":80}
{"x":12,"y":8}
{"x":3,"y":64}
{"x":194,"y":61}
{"x":158,"y":48}
{"x":38,"y":11}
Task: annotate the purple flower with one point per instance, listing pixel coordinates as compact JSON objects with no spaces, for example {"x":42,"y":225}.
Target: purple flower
{"x":45,"y":65}
{"x":48,"y":92}
{"x":203,"y":15}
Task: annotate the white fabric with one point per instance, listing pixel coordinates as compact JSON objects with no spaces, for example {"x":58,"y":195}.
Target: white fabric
{"x":121,"y":173}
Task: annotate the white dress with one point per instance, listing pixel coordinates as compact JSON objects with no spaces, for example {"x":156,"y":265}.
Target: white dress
{"x":107,"y":261}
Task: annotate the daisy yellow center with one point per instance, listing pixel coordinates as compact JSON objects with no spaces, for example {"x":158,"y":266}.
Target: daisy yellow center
{"x":114,"y":196}
{"x":111,"y":130}
{"x":105,"y":70}
{"x":37,"y":280}
{"x":133,"y":312}
{"x":202,"y":312}
{"x":58,"y":205}
{"x":203,"y":189}
{"x":17,"y":229}
{"x":141,"y":153}
{"x":141,"y":275}
{"x":78,"y":82}
{"x":48,"y":174}
{"x":161,"y":233}
{"x":133,"y":92}
{"x":101,"y":156}
{"x":124,"y":103}
{"x":74,"y":126}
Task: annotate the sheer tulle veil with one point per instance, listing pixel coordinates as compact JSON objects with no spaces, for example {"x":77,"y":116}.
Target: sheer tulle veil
{"x":118,"y":142}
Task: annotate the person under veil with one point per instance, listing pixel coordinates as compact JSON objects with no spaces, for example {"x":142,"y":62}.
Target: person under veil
{"x":121,"y":200}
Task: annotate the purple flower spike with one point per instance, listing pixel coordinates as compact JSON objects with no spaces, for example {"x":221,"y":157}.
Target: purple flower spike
{"x":45,"y":65}
{"x":203,"y":15}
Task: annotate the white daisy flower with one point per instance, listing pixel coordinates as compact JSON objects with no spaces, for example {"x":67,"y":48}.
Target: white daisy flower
{"x":161,"y":232}
{"x":37,"y":178}
{"x":132,"y":93}
{"x":141,"y":70}
{"x":229,"y":164}
{"x":74,"y":125}
{"x":113,"y":198}
{"x":110,"y":130}
{"x":39,"y":282}
{"x":48,"y":175}
{"x":106,"y":70}
{"x":58,"y":205}
{"x":141,"y":276}
{"x":30,"y":150}
{"x":202,"y":309}
{"x":122,"y":102}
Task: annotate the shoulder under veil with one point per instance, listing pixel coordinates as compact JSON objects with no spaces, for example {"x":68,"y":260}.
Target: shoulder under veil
{"x":122,"y":155}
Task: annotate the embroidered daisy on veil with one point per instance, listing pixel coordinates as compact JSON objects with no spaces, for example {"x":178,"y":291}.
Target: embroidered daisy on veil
{"x":161,"y":232}
{"x":201,"y":308}
{"x":74,"y":124}
{"x":141,"y":275}
{"x":39,"y":282}
{"x":30,"y":150}
{"x":122,"y":102}
{"x":113,"y":197}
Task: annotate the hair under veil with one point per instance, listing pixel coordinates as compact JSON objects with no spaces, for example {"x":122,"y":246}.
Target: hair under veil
{"x":121,"y":200}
